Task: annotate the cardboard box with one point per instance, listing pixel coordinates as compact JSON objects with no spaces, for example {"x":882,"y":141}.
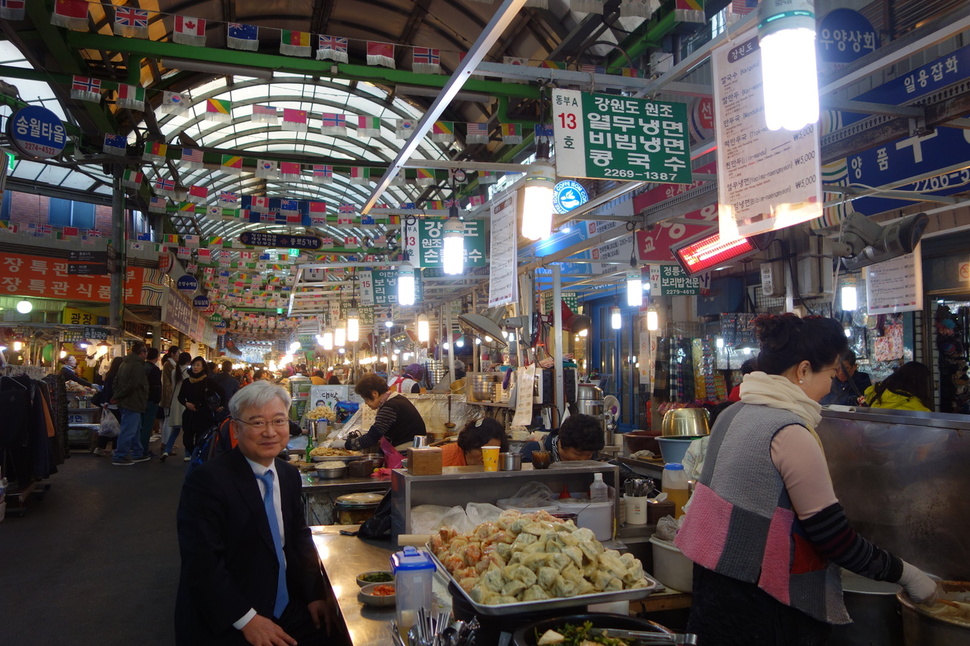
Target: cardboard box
{"x":425,"y":461}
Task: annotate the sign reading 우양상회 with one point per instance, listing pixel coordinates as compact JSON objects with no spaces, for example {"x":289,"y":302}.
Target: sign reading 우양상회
{"x":603,"y":136}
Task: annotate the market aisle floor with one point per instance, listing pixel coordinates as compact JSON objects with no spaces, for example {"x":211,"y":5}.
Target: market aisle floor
{"x":96,"y":561}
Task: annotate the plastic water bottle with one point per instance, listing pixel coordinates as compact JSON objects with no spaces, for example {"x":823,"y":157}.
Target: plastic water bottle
{"x":674,"y":481}
{"x":598,"y":491}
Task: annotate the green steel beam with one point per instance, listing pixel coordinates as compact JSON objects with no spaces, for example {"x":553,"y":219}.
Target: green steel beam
{"x":275,"y":62}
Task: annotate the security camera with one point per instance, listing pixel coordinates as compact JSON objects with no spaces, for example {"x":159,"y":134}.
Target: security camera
{"x":865,"y":242}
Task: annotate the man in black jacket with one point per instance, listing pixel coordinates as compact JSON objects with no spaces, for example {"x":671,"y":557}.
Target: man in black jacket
{"x":228,"y":384}
{"x":154,"y":375}
{"x":250,"y":572}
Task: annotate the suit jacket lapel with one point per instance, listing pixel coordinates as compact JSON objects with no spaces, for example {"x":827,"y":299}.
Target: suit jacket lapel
{"x":249,"y":491}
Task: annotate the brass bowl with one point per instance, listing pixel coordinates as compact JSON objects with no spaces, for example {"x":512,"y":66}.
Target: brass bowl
{"x":685,"y":422}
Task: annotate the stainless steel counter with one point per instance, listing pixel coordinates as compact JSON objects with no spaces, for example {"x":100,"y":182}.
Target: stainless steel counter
{"x":319,"y":495}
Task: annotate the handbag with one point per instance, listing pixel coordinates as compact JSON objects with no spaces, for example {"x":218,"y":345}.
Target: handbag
{"x":109,"y":424}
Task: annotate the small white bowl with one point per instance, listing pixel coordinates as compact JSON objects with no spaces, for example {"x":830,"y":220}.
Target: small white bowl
{"x":365,"y":596}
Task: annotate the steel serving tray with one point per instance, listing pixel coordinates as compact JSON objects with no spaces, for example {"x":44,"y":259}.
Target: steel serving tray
{"x":544,"y":604}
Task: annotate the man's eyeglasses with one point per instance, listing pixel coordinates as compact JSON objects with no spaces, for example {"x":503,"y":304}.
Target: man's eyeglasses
{"x":262,"y":424}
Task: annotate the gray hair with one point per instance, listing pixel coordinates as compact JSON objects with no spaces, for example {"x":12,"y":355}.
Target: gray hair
{"x":257,"y":395}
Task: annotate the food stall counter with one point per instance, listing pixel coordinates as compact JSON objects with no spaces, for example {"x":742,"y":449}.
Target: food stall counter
{"x":320,"y":496}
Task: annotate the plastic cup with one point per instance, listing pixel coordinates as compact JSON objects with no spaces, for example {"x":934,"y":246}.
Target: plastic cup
{"x":541,"y":459}
{"x":490,"y":457}
{"x":636,"y":510}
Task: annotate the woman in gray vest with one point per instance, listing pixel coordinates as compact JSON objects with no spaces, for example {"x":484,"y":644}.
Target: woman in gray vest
{"x":765,"y":531}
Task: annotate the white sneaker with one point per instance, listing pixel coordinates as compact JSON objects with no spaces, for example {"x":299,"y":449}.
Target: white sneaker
{"x":186,"y":459}
{"x":155,"y":438}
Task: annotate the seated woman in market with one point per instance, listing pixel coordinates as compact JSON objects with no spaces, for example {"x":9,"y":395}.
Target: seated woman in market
{"x":397,"y":419}
{"x":579,"y":438}
{"x":467,"y":451}
{"x":906,"y":389}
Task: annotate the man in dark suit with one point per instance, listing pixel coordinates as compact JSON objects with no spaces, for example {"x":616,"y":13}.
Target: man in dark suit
{"x":250,"y":573}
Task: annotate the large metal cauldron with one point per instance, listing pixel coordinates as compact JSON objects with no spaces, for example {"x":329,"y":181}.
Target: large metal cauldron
{"x":920,"y":628}
{"x":874,"y":611}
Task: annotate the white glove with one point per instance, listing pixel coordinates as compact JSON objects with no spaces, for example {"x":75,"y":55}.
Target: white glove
{"x":920,"y":587}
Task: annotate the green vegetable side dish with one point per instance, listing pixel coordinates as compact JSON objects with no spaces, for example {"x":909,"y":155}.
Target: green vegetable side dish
{"x":377,"y":577}
{"x":574,"y":635}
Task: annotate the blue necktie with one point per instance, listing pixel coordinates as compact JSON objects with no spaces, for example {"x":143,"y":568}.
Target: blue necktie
{"x":282,"y":596}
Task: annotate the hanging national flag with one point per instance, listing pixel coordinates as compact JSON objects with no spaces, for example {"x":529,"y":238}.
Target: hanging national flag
{"x":198,"y":194}
{"x":165,"y":186}
{"x":380,"y":54}
{"x":443,"y":131}
{"x":326,"y":242}
{"x":743,"y":7}
{"x":228,"y":199}
{"x":294,"y":43}
{"x":155,"y":151}
{"x":265,"y":114}
{"x":214,"y":211}
{"x":70,"y":232}
{"x":351,"y":242}
{"x":318,"y":212}
{"x":368,"y":126}
{"x":511,"y":133}
{"x":93,"y":233}
{"x":85,"y":88}
{"x":259,"y":204}
{"x":267,"y":168}
{"x":457,"y":176}
{"x":231,"y":164}
{"x":331,"y":48}
{"x":189,"y":31}
{"x":476,"y":200}
{"x":295,"y":120}
{"x":187,"y":207}
{"x":131,"y":96}
{"x":630,"y":72}
{"x":131,"y":23}
{"x":191,"y":241}
{"x":684,"y":10}
{"x":359,"y":175}
{"x":487,"y":177}
{"x":218,"y":110}
{"x":183,"y":253}
{"x":404,"y":128}
{"x":434,"y":205}
{"x":132,"y":178}
{"x":592,"y":69}
{"x":333,"y":124}
{"x":71,"y":14}
{"x":289,"y":207}
{"x":426,"y":60}
{"x":44,"y":230}
{"x":240,"y":36}
{"x":552,"y":65}
{"x":425,"y":176}
{"x":345,"y":219}
{"x":12,"y":9}
{"x":290,"y":170}
{"x":192,"y":157}
{"x":204,"y":254}
{"x":171,"y":239}
{"x":267,"y":217}
{"x":115,"y":145}
{"x":157,"y":205}
{"x":515,"y":60}
{"x":322,"y":174}
{"x":476,"y":132}
{"x":174,"y":103}
{"x":346,"y":208}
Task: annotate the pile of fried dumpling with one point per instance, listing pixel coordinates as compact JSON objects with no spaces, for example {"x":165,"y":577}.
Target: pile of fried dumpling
{"x":532,"y":557}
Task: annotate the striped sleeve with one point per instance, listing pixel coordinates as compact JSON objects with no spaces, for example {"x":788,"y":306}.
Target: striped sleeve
{"x":829,"y":532}
{"x":385,"y":418}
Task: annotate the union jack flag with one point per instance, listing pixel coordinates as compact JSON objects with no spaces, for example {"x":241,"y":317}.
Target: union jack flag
{"x":347,"y":208}
{"x":131,"y":17}
{"x":334,"y":43}
{"x":228,"y":197}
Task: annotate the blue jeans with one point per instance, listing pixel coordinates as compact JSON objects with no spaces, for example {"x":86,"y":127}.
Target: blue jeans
{"x":172,"y":436}
{"x":128,"y":441}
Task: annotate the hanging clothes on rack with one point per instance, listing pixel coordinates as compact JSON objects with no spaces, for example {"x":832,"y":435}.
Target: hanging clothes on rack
{"x":27,"y":430}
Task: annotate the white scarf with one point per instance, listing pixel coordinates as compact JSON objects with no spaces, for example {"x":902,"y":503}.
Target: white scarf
{"x":776,"y":391}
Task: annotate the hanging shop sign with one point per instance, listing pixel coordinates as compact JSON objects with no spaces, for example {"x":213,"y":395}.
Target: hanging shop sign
{"x":767,"y":179}
{"x":502,"y":270}
{"x":82,"y":263}
{"x":424,"y":242}
{"x":567,"y":195}
{"x":187,"y":283}
{"x":166,"y":261}
{"x":201,"y":301}
{"x":95,"y":333}
{"x":672,"y":280}
{"x":74,"y":316}
{"x":257,"y":239}
{"x":604,"y":136}
{"x":895,"y":285}
{"x":36,"y":132}
{"x":28,"y":275}
{"x":177,"y":312}
{"x":845,"y":35}
{"x":379,"y":287}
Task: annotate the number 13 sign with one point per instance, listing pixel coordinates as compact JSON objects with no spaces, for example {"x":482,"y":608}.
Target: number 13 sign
{"x":603,"y":136}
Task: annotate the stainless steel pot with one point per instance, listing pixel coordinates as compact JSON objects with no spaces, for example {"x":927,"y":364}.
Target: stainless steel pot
{"x":920,"y":628}
{"x":482,"y":387}
{"x":685,"y":422}
{"x":874,"y":611}
{"x":510,"y":461}
{"x":592,"y":407}
{"x":590,"y":391}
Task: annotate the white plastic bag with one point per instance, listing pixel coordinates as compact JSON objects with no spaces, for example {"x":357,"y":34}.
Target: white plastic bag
{"x":109,"y":425}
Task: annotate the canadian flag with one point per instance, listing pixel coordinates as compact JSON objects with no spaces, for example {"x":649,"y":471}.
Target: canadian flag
{"x":189,"y":31}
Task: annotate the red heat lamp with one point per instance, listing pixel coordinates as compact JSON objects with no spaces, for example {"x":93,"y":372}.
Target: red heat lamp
{"x":706,"y":252}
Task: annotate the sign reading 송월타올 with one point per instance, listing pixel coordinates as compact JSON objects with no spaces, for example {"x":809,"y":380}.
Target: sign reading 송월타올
{"x":36,"y":132}
{"x":603,"y":136}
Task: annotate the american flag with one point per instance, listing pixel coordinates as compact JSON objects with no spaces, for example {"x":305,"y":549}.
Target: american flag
{"x":192,"y":155}
{"x":743,"y":7}
{"x":333,"y":43}
{"x":347,"y":208}
{"x":477,"y":129}
{"x":131,"y":17}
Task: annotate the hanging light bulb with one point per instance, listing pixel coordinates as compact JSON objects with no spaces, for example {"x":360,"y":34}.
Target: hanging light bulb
{"x":340,"y":334}
{"x":616,"y":321}
{"x":850,"y":299}
{"x":18,"y":346}
{"x":453,"y":236}
{"x":634,"y":288}
{"x":24,"y":307}
{"x":353,"y":325}
{"x":63,"y":354}
{"x":786,"y":36}
{"x":653,"y":320}
{"x":389,"y":323}
{"x":424,"y":329}
{"x":537,"y":200}
{"x":405,"y":284}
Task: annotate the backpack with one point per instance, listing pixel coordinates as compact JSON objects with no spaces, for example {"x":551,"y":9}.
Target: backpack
{"x":216,"y":441}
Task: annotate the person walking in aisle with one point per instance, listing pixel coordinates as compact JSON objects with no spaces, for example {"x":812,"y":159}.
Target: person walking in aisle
{"x":226,"y":382}
{"x":131,"y":395}
{"x":176,"y":410}
{"x":154,"y":375}
{"x":104,"y":397}
{"x":202,"y":398}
